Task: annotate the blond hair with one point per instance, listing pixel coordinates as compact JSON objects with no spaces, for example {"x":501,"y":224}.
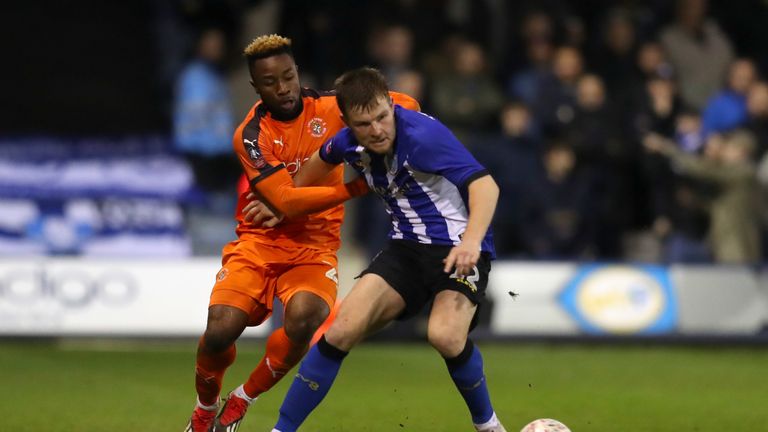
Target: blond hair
{"x":267,"y":46}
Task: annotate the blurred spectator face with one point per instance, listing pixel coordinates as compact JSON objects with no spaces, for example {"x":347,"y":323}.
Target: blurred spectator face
{"x":662,"y":95}
{"x":688,"y":132}
{"x":559,"y":161}
{"x":411,"y":83}
{"x":620,"y":36}
{"x":537,"y":25}
{"x":567,"y":64}
{"x":575,"y":32}
{"x":469,"y":60}
{"x":688,"y":123}
{"x":737,"y":147}
{"x":691,"y":13}
{"x":757,"y":100}
{"x":713,"y":147}
{"x":741,"y":75}
{"x":651,"y":60}
{"x":515,"y":120}
{"x":590,"y":92}
{"x":211,"y":46}
{"x":396,"y":46}
{"x":539,"y":52}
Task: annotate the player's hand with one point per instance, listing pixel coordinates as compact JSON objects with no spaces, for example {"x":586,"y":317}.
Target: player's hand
{"x":463,"y":257}
{"x":257,"y":213}
{"x":654,"y":143}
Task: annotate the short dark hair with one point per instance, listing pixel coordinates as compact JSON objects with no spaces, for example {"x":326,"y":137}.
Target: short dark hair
{"x":360,"y":88}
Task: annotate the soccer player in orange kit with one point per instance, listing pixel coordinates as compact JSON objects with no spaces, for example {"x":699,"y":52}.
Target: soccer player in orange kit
{"x":294,"y":261}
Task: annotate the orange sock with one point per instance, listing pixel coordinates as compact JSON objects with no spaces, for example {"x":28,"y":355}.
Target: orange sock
{"x":281,"y":355}
{"x":209,"y":372}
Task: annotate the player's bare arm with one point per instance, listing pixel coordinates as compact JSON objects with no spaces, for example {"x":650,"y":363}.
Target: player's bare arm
{"x":483,"y":195}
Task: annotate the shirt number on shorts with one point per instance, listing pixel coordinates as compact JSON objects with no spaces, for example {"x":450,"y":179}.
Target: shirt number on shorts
{"x":469,"y":280}
{"x":332,"y":275}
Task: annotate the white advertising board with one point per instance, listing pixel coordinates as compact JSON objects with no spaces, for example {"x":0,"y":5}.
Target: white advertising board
{"x":75,"y":296}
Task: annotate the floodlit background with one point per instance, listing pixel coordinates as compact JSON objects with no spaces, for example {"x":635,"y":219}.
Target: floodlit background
{"x":628,"y":137}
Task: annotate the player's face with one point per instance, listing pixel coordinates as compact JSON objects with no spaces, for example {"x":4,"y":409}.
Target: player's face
{"x":374,"y":128}
{"x":276,"y":80}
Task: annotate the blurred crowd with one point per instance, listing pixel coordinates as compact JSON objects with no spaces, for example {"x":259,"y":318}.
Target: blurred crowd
{"x":623,"y":130}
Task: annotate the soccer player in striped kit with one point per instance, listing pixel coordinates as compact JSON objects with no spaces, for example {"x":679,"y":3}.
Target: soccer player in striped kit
{"x":441,"y":202}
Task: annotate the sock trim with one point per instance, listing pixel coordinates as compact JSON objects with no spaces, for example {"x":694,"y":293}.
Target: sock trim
{"x":493,"y":421}
{"x":329,"y":350}
{"x":463,"y":357}
{"x":213,"y":407}
{"x":240,"y":392}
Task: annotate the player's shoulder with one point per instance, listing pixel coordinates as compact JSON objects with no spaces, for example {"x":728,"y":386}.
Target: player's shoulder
{"x":405,"y":101}
{"x":344,"y":138}
{"x":417,"y":124}
{"x":251,"y":126}
{"x":322,"y":99}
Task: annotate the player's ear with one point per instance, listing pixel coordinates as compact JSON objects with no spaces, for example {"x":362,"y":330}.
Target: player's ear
{"x":344,"y":119}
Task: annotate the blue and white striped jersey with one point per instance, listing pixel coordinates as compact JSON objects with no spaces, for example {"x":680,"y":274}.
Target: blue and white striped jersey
{"x":423,"y":183}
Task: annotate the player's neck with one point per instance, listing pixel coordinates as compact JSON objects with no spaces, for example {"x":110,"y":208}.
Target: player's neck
{"x":286,"y":117}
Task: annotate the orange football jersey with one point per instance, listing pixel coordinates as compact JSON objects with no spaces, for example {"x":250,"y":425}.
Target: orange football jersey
{"x":265,"y":145}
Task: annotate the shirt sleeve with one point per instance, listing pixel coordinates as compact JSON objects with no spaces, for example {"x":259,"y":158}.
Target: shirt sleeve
{"x":405,"y":101}
{"x":271,"y":182}
{"x":332,"y":151}
{"x":255,"y":152}
{"x":438,"y":151}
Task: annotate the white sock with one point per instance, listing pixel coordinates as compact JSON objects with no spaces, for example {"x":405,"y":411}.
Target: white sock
{"x":494,"y":421}
{"x":240,"y":392}
{"x":213,"y":407}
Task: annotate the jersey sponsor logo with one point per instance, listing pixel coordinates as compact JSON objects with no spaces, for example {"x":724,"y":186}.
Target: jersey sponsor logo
{"x":294,"y":166}
{"x":317,"y":127}
{"x":252,"y":148}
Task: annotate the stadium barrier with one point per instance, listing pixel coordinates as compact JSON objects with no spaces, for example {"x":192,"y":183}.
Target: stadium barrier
{"x":168,"y":297}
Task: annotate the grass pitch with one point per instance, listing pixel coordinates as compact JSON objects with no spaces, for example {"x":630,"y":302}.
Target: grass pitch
{"x":129,"y":386}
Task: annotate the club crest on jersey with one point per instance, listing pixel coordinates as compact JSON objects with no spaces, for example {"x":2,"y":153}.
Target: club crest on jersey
{"x":317,"y":127}
{"x":252,"y":148}
{"x":222,"y":274}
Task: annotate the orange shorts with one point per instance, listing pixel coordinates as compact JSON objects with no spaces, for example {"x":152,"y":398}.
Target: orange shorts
{"x":253,"y":274}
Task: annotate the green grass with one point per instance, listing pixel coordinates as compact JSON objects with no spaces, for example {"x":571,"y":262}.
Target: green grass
{"x":125,"y":386}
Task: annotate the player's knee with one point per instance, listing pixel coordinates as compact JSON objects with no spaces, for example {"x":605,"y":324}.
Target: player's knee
{"x":216,"y":340}
{"x":220,"y":335}
{"x":303,"y":319}
{"x":344,"y":333}
{"x":446,"y":341}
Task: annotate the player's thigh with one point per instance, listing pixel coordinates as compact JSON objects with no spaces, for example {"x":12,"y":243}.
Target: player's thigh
{"x":244,"y":283}
{"x":370,"y":304}
{"x":317,"y":275}
{"x":449,"y":322}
